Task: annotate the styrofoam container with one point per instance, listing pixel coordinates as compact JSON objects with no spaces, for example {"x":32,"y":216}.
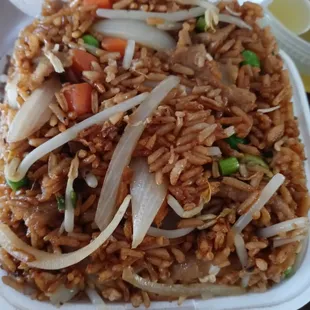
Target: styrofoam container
{"x":290,"y":294}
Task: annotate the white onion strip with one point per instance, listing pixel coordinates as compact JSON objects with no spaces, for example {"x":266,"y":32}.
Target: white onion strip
{"x":297,"y":223}
{"x":69,"y":211}
{"x":136,"y":30}
{"x":229,"y":131}
{"x":282,"y":241}
{"x":234,"y":20}
{"x":140,"y":15}
{"x":169,"y":234}
{"x":268,"y":110}
{"x":125,"y":147}
{"x":177,"y":208}
{"x":11,"y":92}
{"x":268,"y":191}
{"x":50,"y":261}
{"x":91,"y":180}
{"x":202,"y":3}
{"x":129,"y":53}
{"x":68,"y":135}
{"x":34,"y":112}
{"x":241,"y":250}
{"x":147,"y":198}
{"x":62,"y":295}
{"x":178,"y":290}
{"x":230,"y":11}
{"x":96,"y":299}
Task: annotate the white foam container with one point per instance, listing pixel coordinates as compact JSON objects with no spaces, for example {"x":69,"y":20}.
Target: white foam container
{"x":290,"y":294}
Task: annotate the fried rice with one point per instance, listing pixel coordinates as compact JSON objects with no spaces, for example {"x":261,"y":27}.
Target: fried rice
{"x":223,"y":158}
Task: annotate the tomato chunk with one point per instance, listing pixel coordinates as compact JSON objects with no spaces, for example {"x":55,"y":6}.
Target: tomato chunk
{"x":78,"y":97}
{"x":103,"y":4}
{"x":114,"y":45}
{"x":81,"y":61}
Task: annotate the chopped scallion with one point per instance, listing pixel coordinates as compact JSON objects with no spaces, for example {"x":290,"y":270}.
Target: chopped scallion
{"x":254,"y":160}
{"x":288,"y":272}
{"x":201,"y":24}
{"x":17,"y":185}
{"x":61,"y":204}
{"x":73,"y":198}
{"x":233,"y":141}
{"x":250,"y":58}
{"x":229,"y":165}
{"x":90,"y":40}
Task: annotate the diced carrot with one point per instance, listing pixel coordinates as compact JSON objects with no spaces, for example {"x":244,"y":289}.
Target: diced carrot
{"x":81,"y":61}
{"x":161,"y":214}
{"x":78,"y":97}
{"x":114,"y":45}
{"x":103,"y":4}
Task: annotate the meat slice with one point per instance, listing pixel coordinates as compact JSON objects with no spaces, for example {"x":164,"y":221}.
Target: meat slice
{"x":240,"y":97}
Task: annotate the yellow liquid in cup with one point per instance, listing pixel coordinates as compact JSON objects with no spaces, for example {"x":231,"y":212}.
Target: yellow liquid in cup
{"x":294,"y":15}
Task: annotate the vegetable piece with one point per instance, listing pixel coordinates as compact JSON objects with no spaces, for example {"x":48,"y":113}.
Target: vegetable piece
{"x":224,"y":18}
{"x":179,"y":290}
{"x":61,"y":203}
{"x":241,"y":250}
{"x":70,"y":196}
{"x":50,"y":261}
{"x":288,"y":272}
{"x":55,"y":61}
{"x":17,"y":185}
{"x":276,"y":229}
{"x":135,"y":30}
{"x":233,"y":141}
{"x":147,"y":198}
{"x":177,"y":208}
{"x":201,"y":24}
{"x":26,"y":122}
{"x":129,"y":53}
{"x":170,"y":234}
{"x":250,"y":58}
{"x":78,"y":97}
{"x":91,"y":180}
{"x":124,"y":149}
{"x":229,"y":165}
{"x":268,"y":191}
{"x":62,"y":295}
{"x":96,"y":299}
{"x":249,"y":159}
{"x":15,"y":171}
{"x":141,"y":15}
{"x":104,"y":4}
{"x":81,"y":61}
{"x":11,"y":92}
{"x":268,"y":110}
{"x":111,"y":44}
{"x":90,"y":40}
{"x":282,"y":241}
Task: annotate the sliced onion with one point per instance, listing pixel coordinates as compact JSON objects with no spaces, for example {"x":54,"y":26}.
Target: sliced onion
{"x":141,"y":15}
{"x":229,"y":131}
{"x":129,"y":53}
{"x":50,"y":261}
{"x":245,"y":280}
{"x":63,"y":295}
{"x":69,"y":211}
{"x":169,"y":234}
{"x":177,"y":208}
{"x":136,"y":30}
{"x":241,"y":250}
{"x":297,"y":223}
{"x":177,"y":290}
{"x":282,"y":241}
{"x":96,"y":299}
{"x":230,"y":11}
{"x":124,"y":149}
{"x":55,"y":61}
{"x":68,"y":135}
{"x":147,"y":198}
{"x":11,"y":92}
{"x":202,"y":3}
{"x":35,"y":112}
{"x":169,"y":26}
{"x":213,"y":151}
{"x":269,"y":109}
{"x":224,"y":18}
{"x":91,"y":180}
{"x":268,"y":191}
